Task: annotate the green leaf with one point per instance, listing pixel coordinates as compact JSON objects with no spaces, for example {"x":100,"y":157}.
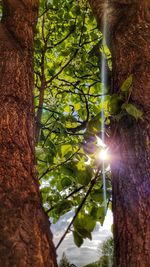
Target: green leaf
{"x":97,"y":195}
{"x":85,"y":234}
{"x":84,"y":177}
{"x":77,"y":239}
{"x":65,"y":149}
{"x":81,"y":166}
{"x":67,"y":109}
{"x":51,"y":145}
{"x":84,"y":223}
{"x":51,"y":71}
{"x":66,"y":182}
{"x":94,"y":123}
{"x":63,"y":206}
{"x":77,"y":106}
{"x":39,"y":151}
{"x":132,"y":110}
{"x":101,"y":214}
{"x":46,"y":190}
{"x":70,"y":169}
{"x":127,"y":84}
{"x":93,"y":212}
{"x":115,"y":104}
{"x":45,"y":193}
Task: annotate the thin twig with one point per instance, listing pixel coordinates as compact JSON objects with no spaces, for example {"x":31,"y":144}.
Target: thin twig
{"x":63,"y":67}
{"x":71,"y":194}
{"x":49,"y":170}
{"x":62,"y":40}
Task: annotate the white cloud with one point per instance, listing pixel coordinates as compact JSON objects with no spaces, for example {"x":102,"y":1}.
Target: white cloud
{"x":88,"y":252}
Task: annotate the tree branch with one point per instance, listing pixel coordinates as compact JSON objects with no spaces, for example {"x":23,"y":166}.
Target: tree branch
{"x":63,"y":67}
{"x":71,"y":194}
{"x":49,"y":170}
{"x":79,"y":207}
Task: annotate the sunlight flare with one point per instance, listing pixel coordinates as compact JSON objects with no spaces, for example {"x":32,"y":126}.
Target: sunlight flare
{"x":103,"y":151}
{"x":103,"y":154}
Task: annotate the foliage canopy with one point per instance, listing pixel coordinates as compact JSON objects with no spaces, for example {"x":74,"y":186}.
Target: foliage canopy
{"x":68,"y":104}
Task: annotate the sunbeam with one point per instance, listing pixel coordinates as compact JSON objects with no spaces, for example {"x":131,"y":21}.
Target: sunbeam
{"x":103,"y":153}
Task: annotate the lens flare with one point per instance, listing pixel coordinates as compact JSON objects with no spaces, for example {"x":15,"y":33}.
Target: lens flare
{"x":103,"y":154}
{"x":103,"y":151}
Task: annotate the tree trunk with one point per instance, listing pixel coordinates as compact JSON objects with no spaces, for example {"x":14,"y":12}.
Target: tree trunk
{"x":25,"y":237}
{"x":129,"y":37}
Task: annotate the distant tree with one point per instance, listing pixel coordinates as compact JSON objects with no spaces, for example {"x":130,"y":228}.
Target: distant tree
{"x":108,"y":247}
{"x":106,"y":252}
{"x":93,"y":264}
{"x":64,"y":262}
{"x":106,"y":260}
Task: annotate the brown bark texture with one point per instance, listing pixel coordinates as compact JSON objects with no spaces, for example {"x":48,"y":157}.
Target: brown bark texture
{"x":128,"y":34}
{"x":25,"y":237}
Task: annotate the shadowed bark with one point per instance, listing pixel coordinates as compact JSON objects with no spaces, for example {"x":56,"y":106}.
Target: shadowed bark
{"x":128,"y":35}
{"x":25,"y":237}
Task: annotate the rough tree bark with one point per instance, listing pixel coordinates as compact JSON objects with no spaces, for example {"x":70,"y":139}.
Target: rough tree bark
{"x":128,"y":33}
{"x":25,"y":237}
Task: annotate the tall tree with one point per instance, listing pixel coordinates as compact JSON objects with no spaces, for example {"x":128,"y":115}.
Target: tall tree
{"x":25,"y":237}
{"x":128,"y":32}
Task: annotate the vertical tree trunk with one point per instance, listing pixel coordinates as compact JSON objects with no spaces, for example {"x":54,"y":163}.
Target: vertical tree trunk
{"x":25,"y":237}
{"x":129,"y":37}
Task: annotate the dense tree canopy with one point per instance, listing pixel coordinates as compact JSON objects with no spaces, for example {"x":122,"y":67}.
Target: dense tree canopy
{"x":68,"y":111}
{"x":69,"y":102}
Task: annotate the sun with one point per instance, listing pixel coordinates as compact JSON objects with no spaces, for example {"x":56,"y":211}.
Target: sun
{"x":103,"y":154}
{"x":103,"y":150}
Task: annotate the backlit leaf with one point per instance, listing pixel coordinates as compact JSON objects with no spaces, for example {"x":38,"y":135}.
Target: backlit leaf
{"x":77,"y":239}
{"x":127,"y":84}
{"x":132,"y":110}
